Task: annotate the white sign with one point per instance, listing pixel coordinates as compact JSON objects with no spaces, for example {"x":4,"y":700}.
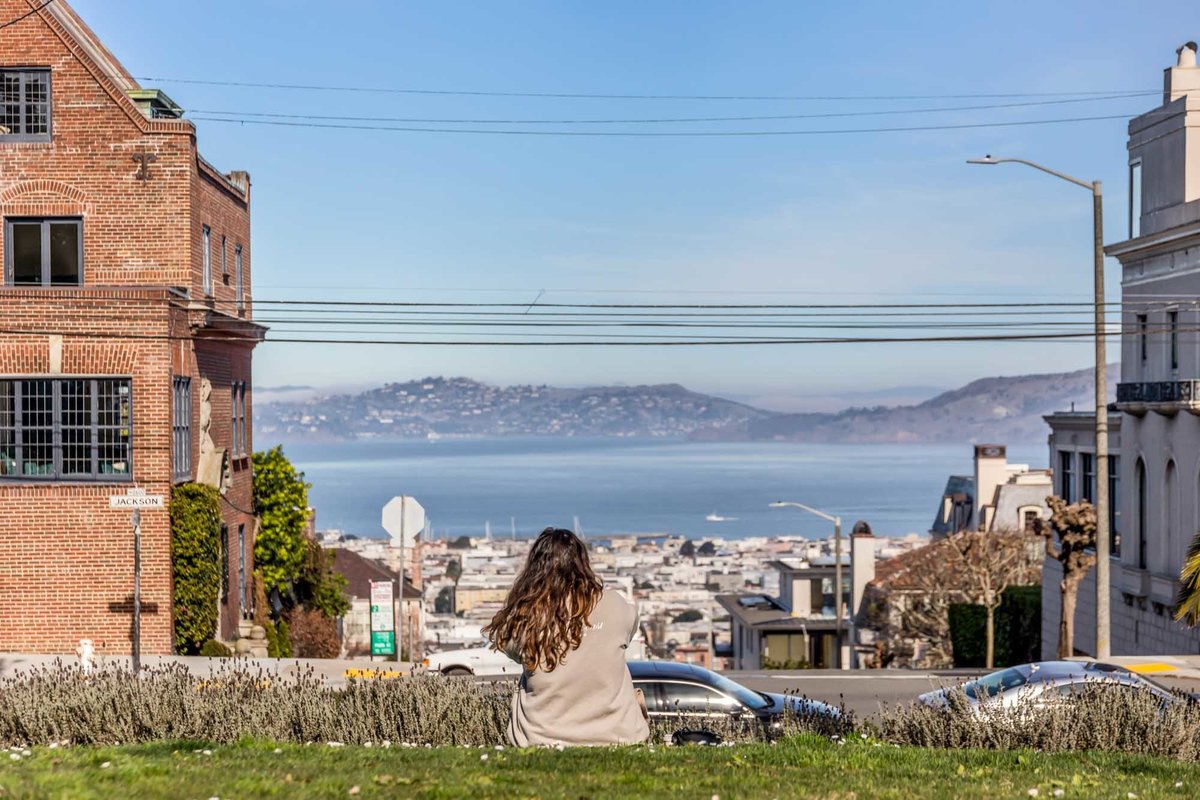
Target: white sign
{"x":136,"y":498}
{"x":382,"y":617}
{"x":403,"y":518}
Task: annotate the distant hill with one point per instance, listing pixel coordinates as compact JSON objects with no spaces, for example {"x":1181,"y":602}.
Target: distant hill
{"x":991,"y":409}
{"x":995,"y":409}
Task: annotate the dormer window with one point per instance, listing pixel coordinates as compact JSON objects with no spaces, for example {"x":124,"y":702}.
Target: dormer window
{"x":24,"y":105}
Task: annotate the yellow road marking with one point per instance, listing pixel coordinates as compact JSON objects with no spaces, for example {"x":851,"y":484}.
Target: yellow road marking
{"x":1151,"y":669}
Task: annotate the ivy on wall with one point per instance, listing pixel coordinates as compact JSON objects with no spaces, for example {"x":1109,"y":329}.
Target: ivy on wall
{"x":196,"y":564}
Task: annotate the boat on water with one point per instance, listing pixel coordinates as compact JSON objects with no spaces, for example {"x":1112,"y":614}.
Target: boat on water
{"x":715,"y":517}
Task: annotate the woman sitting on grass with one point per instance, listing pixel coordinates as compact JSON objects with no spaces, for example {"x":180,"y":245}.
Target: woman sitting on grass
{"x":570,"y":634}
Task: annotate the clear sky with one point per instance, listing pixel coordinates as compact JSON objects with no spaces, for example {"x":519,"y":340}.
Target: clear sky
{"x":869,"y":217}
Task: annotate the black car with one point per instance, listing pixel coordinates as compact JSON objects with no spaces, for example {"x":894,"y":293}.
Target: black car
{"x":690,"y":695}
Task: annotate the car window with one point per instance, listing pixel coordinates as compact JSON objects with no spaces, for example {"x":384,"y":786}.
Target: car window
{"x":651,"y":690}
{"x":995,"y":683}
{"x":691,"y":698}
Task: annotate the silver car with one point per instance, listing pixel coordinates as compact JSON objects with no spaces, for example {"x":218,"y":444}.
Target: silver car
{"x":1038,"y":685}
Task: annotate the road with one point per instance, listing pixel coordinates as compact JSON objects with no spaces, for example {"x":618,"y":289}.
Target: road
{"x":862,"y":692}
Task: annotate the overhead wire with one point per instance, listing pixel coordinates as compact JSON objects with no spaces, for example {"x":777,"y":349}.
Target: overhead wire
{"x":24,"y":16}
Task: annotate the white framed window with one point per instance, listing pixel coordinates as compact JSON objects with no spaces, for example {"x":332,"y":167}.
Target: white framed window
{"x":237,"y":277}
{"x":1135,"y":199}
{"x":206,"y":243}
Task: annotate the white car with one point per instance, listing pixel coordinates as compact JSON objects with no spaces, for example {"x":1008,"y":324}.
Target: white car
{"x":484,"y":662}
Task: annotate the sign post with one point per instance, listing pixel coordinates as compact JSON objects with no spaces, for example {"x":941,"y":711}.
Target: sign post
{"x":383,"y":629}
{"x":136,"y":499}
{"x":403,"y":518}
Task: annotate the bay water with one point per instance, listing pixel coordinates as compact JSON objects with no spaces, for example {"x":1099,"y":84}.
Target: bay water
{"x":615,"y":486}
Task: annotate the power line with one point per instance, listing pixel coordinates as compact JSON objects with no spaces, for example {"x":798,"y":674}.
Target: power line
{"x":665,"y":120}
{"x":616,"y":96}
{"x":659,"y":134}
{"x":26,"y":15}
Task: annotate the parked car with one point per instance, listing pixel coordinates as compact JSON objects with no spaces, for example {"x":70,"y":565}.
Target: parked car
{"x":484,"y":662}
{"x":691,"y":695}
{"x":481,"y":661}
{"x":1039,"y":685}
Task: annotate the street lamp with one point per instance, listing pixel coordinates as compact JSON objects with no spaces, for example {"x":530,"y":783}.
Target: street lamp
{"x":1101,"y":493}
{"x":837,"y":566}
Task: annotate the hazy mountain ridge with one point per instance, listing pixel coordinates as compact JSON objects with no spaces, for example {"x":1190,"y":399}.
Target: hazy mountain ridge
{"x":997,"y":409}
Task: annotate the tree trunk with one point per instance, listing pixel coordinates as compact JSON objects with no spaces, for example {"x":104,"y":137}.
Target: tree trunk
{"x":1066,"y":624}
{"x":991,"y":637}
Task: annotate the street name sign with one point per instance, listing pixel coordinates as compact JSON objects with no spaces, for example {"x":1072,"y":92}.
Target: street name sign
{"x":135,"y":499}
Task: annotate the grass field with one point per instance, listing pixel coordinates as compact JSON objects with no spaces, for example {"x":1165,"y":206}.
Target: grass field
{"x":801,"y":767}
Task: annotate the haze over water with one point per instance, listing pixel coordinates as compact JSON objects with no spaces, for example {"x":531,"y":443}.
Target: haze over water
{"x":624,"y":486}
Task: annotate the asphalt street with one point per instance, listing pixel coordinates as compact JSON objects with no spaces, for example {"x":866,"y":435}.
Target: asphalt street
{"x":861,"y":692}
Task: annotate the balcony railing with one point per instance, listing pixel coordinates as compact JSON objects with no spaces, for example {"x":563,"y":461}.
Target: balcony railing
{"x":1164,"y":397}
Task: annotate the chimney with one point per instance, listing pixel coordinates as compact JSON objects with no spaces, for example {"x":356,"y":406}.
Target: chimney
{"x":991,"y":472}
{"x":1183,"y":78}
{"x":862,"y":564}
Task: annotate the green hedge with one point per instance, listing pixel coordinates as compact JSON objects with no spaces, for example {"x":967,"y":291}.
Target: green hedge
{"x":1018,"y":629}
{"x":196,"y":563}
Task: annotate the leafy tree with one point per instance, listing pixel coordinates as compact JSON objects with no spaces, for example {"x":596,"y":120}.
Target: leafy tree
{"x":1075,"y":526}
{"x":319,"y":585}
{"x":461,"y":543}
{"x":687,"y":549}
{"x":454,"y":570}
{"x":281,"y":502}
{"x":690,"y":615}
{"x":707,"y":549}
{"x":1187,"y":600}
{"x":444,"y":602}
{"x":991,"y":562}
{"x":196,"y":564}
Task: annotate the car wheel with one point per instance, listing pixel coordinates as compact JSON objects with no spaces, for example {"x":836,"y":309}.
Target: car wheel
{"x":456,"y":672}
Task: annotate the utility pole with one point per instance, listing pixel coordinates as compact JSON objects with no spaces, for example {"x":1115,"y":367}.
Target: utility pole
{"x":837,"y":592}
{"x":1103,"y":501}
{"x":136,"y":520}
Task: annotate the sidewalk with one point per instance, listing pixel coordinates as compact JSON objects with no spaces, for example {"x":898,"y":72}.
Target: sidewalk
{"x":1174,"y":668}
{"x":334,"y":672}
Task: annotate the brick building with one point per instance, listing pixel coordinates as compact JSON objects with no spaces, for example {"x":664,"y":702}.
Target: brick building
{"x":125,"y":340}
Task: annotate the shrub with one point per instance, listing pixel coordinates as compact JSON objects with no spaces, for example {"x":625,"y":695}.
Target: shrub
{"x":214,"y":649}
{"x":281,"y":501}
{"x":690,"y":615}
{"x":313,"y":634}
{"x":284,"y":637}
{"x":166,"y":703}
{"x":1104,"y":718}
{"x":1018,"y":629}
{"x":196,"y":564}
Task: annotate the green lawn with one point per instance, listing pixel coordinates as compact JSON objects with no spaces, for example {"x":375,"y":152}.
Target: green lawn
{"x":803,"y":767}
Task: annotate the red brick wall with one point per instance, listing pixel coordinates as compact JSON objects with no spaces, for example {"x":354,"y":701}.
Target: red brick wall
{"x":65,"y":557}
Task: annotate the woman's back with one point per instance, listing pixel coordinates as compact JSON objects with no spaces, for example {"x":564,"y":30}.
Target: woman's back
{"x":589,"y":697}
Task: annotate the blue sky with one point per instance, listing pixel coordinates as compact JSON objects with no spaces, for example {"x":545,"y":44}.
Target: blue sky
{"x":882,"y":217}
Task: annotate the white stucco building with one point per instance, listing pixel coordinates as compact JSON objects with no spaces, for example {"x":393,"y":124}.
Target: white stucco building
{"x":1157,"y":445}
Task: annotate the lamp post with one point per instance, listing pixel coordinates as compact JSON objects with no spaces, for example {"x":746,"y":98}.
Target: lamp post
{"x":1101,"y":493}
{"x":837,"y":567}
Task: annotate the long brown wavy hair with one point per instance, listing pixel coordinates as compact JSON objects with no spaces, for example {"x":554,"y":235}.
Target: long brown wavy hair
{"x":549,"y":604}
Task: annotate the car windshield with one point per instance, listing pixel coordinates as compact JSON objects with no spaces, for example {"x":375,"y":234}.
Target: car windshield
{"x":747,"y":697}
{"x":995,"y":683}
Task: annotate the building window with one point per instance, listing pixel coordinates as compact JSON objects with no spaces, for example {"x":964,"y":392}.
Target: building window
{"x":65,"y":429}
{"x":43,"y":252}
{"x":1173,"y":322}
{"x":224,"y":264}
{"x":1135,"y":199}
{"x":1143,"y":350}
{"x":24,"y":105}
{"x":225,"y":550}
{"x":237,"y":405}
{"x":1066,"y":476}
{"x":1029,"y":518}
{"x":181,"y":428}
{"x":1087,"y":470}
{"x":237,"y":276}
{"x":1114,"y":505}
{"x":243,"y":589}
{"x":207,"y":245}
{"x":1141,"y":514}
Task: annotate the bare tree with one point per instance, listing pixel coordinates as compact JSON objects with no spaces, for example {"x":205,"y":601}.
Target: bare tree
{"x":1075,"y":550}
{"x":991,"y":562}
